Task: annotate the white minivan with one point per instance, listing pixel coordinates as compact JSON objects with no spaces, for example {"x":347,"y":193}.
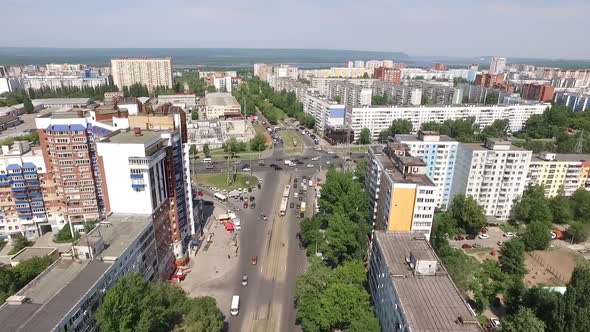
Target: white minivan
{"x":206,"y":161}
{"x":235,"y":305}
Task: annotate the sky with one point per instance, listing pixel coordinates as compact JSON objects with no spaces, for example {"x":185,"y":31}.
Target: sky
{"x":512,"y":28}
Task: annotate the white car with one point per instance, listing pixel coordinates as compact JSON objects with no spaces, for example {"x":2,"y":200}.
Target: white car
{"x":495,"y":322}
{"x":509,"y":234}
{"x":483,"y":236}
{"x":310,"y":165}
{"x":246,"y":169}
{"x":315,"y":158}
{"x":296,"y":195}
{"x":328,"y":162}
{"x":330,"y":152}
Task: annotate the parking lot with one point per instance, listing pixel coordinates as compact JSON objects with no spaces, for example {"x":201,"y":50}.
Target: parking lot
{"x":494,"y":235}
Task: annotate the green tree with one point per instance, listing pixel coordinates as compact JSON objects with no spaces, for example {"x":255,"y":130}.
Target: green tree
{"x":211,"y":88}
{"x":337,"y":99}
{"x":65,"y":234}
{"x":430,"y":126}
{"x":365,"y":75}
{"x":575,"y":303}
{"x":537,"y":236}
{"x":12,"y":279}
{"x":29,"y":108}
{"x":19,"y":243}
{"x":532,"y":206}
{"x":498,"y":129}
{"x":577,"y":232}
{"x":231,"y":146}
{"x":581,"y":205}
{"x":468,"y":214}
{"x":202,"y":315}
{"x":561,"y":209}
{"x":194,"y":115}
{"x":257,"y":143}
{"x":398,"y":126}
{"x":206,"y":150}
{"x":523,"y":320}
{"x":361,"y":170}
{"x":365,"y":136}
{"x":192,"y":151}
{"x":512,"y":258}
{"x":379,"y":100}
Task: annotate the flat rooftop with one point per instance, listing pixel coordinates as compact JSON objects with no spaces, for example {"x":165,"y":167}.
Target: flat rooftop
{"x":563,"y":157}
{"x":129,"y":137}
{"x":30,"y":252}
{"x":52,"y":295}
{"x":118,"y":232}
{"x":429,"y":303}
{"x":64,"y":283}
{"x":64,"y":101}
{"x":220,"y":99}
{"x":414,"y":138}
{"x":393,"y":171}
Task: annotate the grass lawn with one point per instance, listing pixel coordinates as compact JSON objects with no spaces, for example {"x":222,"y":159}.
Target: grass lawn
{"x":292,"y":142}
{"x":506,"y":227}
{"x":220,"y":180}
{"x":351,"y":148}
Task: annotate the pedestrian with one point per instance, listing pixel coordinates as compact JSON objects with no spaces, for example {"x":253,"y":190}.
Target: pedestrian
{"x":228,"y":256}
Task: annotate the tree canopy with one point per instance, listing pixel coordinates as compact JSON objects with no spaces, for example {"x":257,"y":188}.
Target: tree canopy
{"x":133,"y":304}
{"x":12,"y":279}
{"x":258,"y":142}
{"x":398,"y":126}
{"x":365,"y":136}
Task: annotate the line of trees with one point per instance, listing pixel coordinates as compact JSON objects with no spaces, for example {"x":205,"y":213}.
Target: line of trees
{"x":332,"y":294}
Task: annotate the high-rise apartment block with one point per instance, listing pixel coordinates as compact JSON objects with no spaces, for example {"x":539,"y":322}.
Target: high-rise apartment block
{"x":537,"y":92}
{"x":576,"y":101}
{"x":439,"y":152}
{"x":493,"y":173}
{"x":560,"y":173}
{"x":497,"y":65}
{"x":402,"y":196}
{"x":388,"y":74}
{"x":27,"y":198}
{"x":325,"y":111}
{"x":152,"y":72}
{"x":411,"y":289}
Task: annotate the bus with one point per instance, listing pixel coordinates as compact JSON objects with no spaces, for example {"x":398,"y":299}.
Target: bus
{"x":283,"y":209}
{"x":302,"y":210}
{"x":221,"y":197}
{"x":286,"y":191}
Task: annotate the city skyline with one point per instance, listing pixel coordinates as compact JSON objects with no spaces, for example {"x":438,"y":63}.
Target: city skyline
{"x":367,"y":26}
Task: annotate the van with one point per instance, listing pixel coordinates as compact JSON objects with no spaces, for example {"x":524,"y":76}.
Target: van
{"x":206,"y":160}
{"x":235,"y":305}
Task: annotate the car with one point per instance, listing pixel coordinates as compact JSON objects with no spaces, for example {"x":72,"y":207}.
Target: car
{"x":244,"y":280}
{"x":254,"y":260}
{"x":263,"y":216}
{"x":295,"y":195}
{"x":508,"y":234}
{"x":459,"y":238}
{"x":294,"y":185}
{"x":328,"y":162}
{"x":261,"y":163}
{"x":278,"y":168}
{"x":245,"y":204}
{"x":249,"y":189}
{"x":315,"y":158}
{"x":493,"y":252}
{"x":273,"y":165}
{"x":483,"y":236}
{"x":495,"y":323}
{"x":299,"y":163}
{"x":260,"y":181}
{"x":484,"y":230}
{"x":500,"y":243}
{"x":292,"y":205}
{"x":553,"y":235}
{"x":246,"y":169}
{"x":240,"y":190}
{"x":310,"y":165}
{"x":470,"y":237}
{"x":253,"y":205}
{"x":466,"y":246}
{"x":330,"y":152}
{"x":252,"y":198}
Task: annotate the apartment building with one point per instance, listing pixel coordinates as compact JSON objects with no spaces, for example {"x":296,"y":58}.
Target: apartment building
{"x":538,"y":92}
{"x":576,"y":101}
{"x":68,"y":146}
{"x":153,"y":72}
{"x":324,"y":85}
{"x":560,"y":173}
{"x":399,"y":94}
{"x":388,"y":74}
{"x":377,"y":119}
{"x":289,"y":85}
{"x":497,"y":65}
{"x":66,"y":296}
{"x":326,"y":112}
{"x":145,"y":176}
{"x":350,"y":94}
{"x":402,"y":196}
{"x":54,"y":82}
{"x":286,"y":71}
{"x":439,"y":152}
{"x":343,"y":72}
{"x":493,"y":173}
{"x":411,"y":289}
{"x":25,"y":192}
{"x":262,"y":71}
{"x":220,"y":105}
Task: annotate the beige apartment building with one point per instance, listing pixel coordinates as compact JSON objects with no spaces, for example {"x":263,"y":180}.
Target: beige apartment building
{"x":153,"y":72}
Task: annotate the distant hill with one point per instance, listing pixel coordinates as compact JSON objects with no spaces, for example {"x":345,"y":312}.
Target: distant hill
{"x":211,"y":57}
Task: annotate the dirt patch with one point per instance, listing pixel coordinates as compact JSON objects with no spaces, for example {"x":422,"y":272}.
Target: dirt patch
{"x":550,"y":267}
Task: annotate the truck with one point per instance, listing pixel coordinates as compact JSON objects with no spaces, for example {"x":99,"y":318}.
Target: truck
{"x":286,"y":191}
{"x":302,"y":210}
{"x":283,"y":208}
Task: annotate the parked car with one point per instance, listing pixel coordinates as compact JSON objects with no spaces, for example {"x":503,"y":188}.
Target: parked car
{"x":508,"y":234}
{"x":244,"y":280}
{"x":500,"y":243}
{"x":310,"y":165}
{"x":246,"y":169}
{"x":253,"y":205}
{"x":254,"y":260}
{"x":483,"y":236}
{"x":495,"y":323}
{"x":315,"y":158}
{"x":263,"y":216}
{"x":292,"y":205}
{"x":466,"y":246}
{"x":459,"y":238}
